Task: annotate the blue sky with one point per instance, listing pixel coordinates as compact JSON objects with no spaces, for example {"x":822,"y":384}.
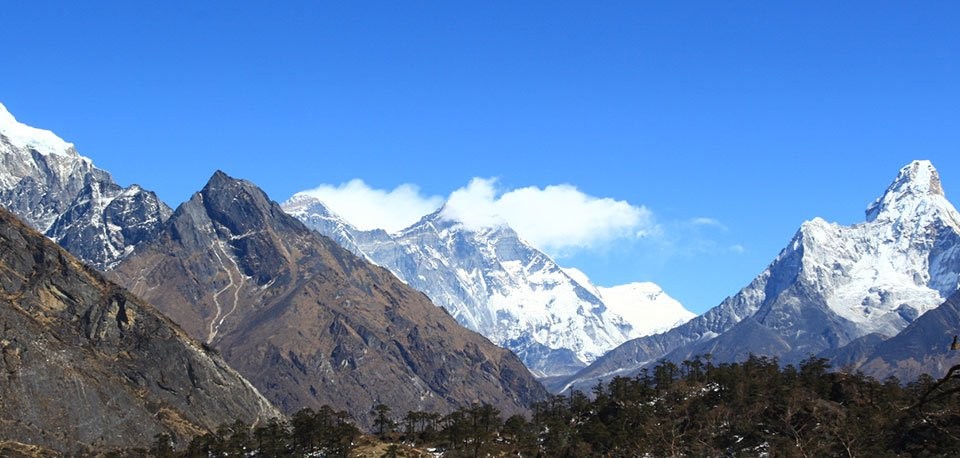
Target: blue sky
{"x":729,"y":122}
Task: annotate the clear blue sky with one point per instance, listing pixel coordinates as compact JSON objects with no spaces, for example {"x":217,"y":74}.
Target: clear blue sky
{"x":759,"y":115}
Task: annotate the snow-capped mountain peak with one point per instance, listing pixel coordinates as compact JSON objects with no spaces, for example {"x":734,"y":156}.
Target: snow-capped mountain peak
{"x":316,"y":215}
{"x":831,"y":285}
{"x":645,"y":306}
{"x":31,"y":138}
{"x":901,"y":262}
{"x":302,"y":203}
{"x":916,"y":195}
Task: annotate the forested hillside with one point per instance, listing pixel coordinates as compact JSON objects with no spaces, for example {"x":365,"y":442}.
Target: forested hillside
{"x":696,"y":408}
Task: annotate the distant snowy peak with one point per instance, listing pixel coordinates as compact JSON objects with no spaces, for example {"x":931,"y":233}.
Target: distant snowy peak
{"x":643,"y":306}
{"x":646,"y":307}
{"x":304,"y":204}
{"x":31,"y":138}
{"x":316,"y":215}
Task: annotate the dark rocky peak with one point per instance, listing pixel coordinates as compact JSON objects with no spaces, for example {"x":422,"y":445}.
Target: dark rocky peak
{"x":104,"y":222}
{"x":242,"y":208}
{"x":236,"y":219}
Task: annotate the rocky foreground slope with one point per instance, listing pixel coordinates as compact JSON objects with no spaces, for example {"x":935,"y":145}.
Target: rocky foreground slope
{"x":84,"y":363}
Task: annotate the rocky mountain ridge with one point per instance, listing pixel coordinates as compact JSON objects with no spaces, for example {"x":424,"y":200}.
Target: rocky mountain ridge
{"x":45,"y":181}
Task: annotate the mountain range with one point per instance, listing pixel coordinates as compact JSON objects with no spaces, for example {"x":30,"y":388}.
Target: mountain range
{"x":494,"y":282}
{"x":231,"y":295}
{"x":308,"y":322}
{"x":490,"y":280}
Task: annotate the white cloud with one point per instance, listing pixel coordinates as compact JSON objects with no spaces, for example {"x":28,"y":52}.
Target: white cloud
{"x":704,"y":221}
{"x":557,"y":218}
{"x":737,"y":248}
{"x":369,"y":208}
{"x":475,"y":206}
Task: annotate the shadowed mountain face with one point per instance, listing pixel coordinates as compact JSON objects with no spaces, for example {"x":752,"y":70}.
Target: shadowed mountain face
{"x":309,"y":322}
{"x":922,"y":348}
{"x":85,"y":363}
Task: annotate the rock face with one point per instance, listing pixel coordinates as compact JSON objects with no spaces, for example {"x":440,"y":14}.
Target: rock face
{"x":309,"y":322}
{"x":50,"y":186}
{"x":84,"y":363}
{"x":832,"y":285}
{"x":495,"y":283}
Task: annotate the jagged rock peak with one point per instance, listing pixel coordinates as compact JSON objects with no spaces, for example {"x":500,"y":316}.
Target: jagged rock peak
{"x":917,"y":181}
{"x":241,"y":206}
{"x":220,"y":181}
{"x":31,"y":138}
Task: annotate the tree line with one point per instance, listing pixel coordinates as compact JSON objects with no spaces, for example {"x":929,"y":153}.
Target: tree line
{"x":695,"y":408}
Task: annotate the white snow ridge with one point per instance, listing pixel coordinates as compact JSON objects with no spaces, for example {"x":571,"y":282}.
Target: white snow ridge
{"x":31,"y":138}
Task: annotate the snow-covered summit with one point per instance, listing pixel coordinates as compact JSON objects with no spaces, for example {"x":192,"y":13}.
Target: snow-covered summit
{"x":311,"y":211}
{"x":903,"y":261}
{"x":31,"y":138}
{"x":916,"y":195}
{"x":646,"y":306}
